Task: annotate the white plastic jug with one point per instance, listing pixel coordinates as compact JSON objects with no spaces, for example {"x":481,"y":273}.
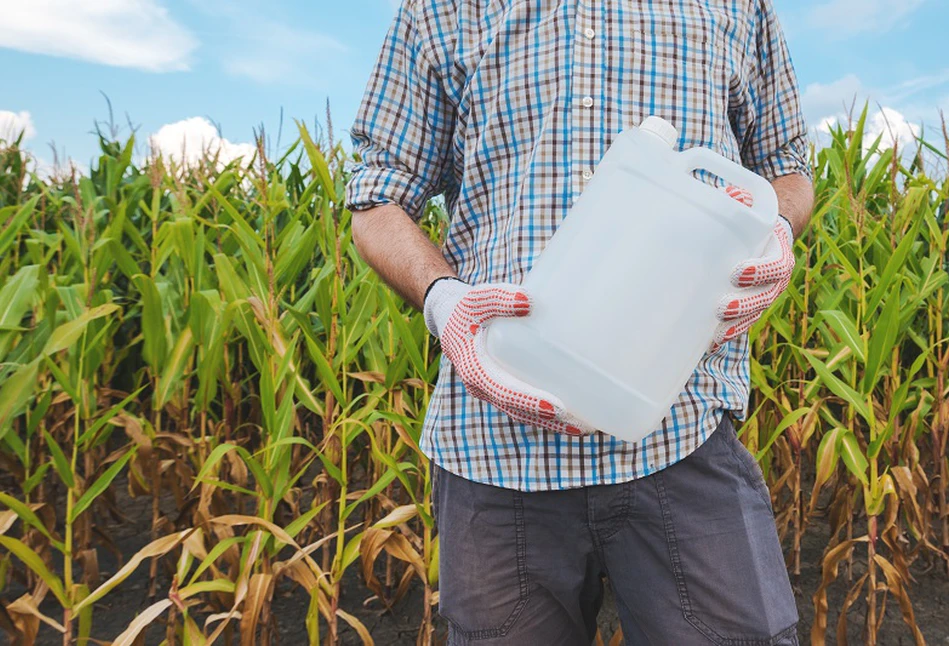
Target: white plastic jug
{"x":626,"y":291}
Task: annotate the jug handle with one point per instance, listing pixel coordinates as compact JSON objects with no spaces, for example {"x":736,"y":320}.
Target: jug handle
{"x":765,"y":200}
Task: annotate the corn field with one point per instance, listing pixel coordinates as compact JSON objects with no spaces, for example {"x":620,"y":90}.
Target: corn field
{"x":207,"y":341}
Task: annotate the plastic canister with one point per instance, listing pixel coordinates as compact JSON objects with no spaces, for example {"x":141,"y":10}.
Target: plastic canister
{"x":626,"y":291}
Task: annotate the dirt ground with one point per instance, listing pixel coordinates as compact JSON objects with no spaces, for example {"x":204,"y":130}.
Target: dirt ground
{"x":930,"y":594}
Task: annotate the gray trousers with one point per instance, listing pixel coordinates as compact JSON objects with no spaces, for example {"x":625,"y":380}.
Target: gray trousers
{"x":691,"y":553}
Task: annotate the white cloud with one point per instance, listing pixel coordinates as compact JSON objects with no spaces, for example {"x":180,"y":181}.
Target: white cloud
{"x":827,"y":124}
{"x":189,"y":140}
{"x":847,"y":17}
{"x":124,"y":33}
{"x":897,"y":112}
{"x":13,"y":124}
{"x":895,"y":128}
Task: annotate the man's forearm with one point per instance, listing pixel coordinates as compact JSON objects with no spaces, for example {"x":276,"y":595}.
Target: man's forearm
{"x":795,"y":200}
{"x":397,"y":249}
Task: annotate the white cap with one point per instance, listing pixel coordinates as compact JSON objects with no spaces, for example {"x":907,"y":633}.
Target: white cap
{"x":660,"y":128}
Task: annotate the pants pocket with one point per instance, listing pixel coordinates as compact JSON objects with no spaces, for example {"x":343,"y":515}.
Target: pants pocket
{"x":724,"y":548}
{"x":482,"y":557}
{"x":747,"y":464}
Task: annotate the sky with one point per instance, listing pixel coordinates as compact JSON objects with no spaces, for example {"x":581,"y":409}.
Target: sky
{"x":212,"y":71}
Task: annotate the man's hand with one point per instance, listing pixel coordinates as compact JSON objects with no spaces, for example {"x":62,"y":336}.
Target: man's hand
{"x":759,"y":281}
{"x":456,"y":313}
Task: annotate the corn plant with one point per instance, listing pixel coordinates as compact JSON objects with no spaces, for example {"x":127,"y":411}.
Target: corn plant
{"x":205,"y":341}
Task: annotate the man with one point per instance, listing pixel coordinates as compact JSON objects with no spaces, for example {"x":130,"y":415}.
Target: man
{"x":506,"y":106}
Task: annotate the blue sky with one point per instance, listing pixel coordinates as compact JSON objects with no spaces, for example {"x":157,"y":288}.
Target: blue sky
{"x":236,"y":63}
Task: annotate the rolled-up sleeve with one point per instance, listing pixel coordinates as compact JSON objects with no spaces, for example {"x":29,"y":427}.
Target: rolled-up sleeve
{"x":404,"y":125}
{"x":773,"y":136}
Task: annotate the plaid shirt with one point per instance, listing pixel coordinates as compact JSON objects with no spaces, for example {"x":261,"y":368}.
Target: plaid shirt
{"x":506,"y":106}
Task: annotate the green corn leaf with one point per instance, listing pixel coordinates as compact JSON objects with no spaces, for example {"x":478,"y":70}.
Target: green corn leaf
{"x":174,"y":368}
{"x":85,"y":615}
{"x":827,"y":456}
{"x":100,"y":485}
{"x":39,"y":412}
{"x":216,"y":454}
{"x":327,"y":375}
{"x":836,"y":386}
{"x":35,"y":479}
{"x":883,"y":339}
{"x":351,"y":550}
{"x":371,"y":492}
{"x":783,"y":425}
{"x":896,"y":262}
{"x":62,"y":379}
{"x":153,"y":323}
{"x":213,"y":555}
{"x":60,"y":463}
{"x":123,"y":259}
{"x":874,"y":447}
{"x":303,"y":520}
{"x":854,"y":460}
{"x":233,"y":287}
{"x":433,"y":563}
{"x":15,"y":394}
{"x":845,"y":329}
{"x":67,"y":334}
{"x":318,"y":163}
{"x":32,"y":560}
{"x":16,"y":295}
{"x":13,"y":226}
{"x":106,"y":417}
{"x":407,"y":339}
{"x":24,"y":513}
{"x":203,"y":587}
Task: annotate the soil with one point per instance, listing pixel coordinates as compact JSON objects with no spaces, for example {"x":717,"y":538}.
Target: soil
{"x":929,"y":592}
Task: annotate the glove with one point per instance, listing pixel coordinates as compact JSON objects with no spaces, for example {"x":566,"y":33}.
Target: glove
{"x":759,"y":281}
{"x":456,"y":313}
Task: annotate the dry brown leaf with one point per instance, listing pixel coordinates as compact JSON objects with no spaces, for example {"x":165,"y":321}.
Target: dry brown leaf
{"x":90,"y":566}
{"x":895,"y":585}
{"x":358,"y":626}
{"x":7,"y":519}
{"x":369,"y":376}
{"x":150,"y":614}
{"x":829,"y":568}
{"x":158,"y":547}
{"x":27,"y":605}
{"x":852,"y":595}
{"x":259,"y":593}
{"x":397,"y":516}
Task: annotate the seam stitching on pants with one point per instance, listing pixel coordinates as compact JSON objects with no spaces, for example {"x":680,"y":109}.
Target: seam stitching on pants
{"x":524,"y":595}
{"x":710,"y":633}
{"x":753,"y":479}
{"x":621,"y":516}
{"x":676,"y":562}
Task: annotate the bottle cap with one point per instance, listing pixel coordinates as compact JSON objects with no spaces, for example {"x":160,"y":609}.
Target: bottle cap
{"x":660,"y":128}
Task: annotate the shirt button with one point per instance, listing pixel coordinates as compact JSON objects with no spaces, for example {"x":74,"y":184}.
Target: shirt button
{"x":587,"y":102}
{"x":589,"y":33}
{"x":588,"y":174}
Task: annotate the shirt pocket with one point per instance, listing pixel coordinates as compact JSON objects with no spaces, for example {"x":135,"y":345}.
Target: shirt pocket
{"x":682,"y":58}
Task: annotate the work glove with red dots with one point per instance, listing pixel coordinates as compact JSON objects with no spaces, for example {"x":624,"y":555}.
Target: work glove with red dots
{"x":759,"y":281}
{"x":456,"y":313}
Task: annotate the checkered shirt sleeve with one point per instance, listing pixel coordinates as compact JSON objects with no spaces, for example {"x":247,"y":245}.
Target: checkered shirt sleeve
{"x":403,"y":129}
{"x":771,"y":128}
